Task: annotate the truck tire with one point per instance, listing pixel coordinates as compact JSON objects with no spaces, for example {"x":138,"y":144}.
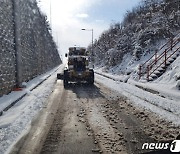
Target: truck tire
{"x":66,"y":78}
{"x":60,"y":76}
{"x":91,"y":77}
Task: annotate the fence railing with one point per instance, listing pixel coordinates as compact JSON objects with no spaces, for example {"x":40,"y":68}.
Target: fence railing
{"x":165,"y":57}
{"x":147,"y":66}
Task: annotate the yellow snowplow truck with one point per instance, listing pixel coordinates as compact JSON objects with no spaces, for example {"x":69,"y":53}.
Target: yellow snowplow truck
{"x":77,"y":69}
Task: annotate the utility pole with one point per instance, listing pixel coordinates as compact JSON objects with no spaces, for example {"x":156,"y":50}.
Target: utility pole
{"x":18,"y":54}
{"x":92,"y":43}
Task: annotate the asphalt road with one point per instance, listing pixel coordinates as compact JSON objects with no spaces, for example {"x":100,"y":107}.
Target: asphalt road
{"x":86,"y":119}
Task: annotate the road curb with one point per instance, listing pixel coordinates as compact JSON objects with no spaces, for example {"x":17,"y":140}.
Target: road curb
{"x":108,"y":77}
{"x":138,"y":86}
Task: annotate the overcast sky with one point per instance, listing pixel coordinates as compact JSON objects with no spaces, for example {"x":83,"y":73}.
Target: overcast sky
{"x":68,"y":17}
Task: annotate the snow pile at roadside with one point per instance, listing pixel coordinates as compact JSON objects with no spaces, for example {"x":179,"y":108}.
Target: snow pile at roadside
{"x":164,"y":107}
{"x":115,"y":77}
{"x":6,"y":100}
{"x":17,"y":120}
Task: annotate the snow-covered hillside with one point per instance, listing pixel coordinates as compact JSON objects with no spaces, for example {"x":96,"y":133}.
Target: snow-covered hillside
{"x":145,"y":29}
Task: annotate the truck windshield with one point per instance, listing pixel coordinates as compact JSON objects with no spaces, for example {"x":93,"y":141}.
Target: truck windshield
{"x":77,"y":52}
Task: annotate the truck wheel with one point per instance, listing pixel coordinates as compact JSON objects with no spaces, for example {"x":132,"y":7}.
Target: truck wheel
{"x":91,"y":78}
{"x":60,"y":76}
{"x":65,"y":79}
{"x":65,"y":83}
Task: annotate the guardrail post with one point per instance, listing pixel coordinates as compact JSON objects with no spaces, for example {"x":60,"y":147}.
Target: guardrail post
{"x":140,"y":67}
{"x":165,"y":56}
{"x":155,"y":56}
{"x":148,"y":73}
{"x":171,"y":43}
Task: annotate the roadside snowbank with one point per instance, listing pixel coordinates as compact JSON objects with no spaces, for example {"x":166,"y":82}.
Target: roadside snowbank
{"x":164,"y":107}
{"x":7,"y":100}
{"x":17,"y":120}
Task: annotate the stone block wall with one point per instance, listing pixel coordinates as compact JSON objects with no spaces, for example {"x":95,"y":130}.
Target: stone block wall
{"x":36,"y":48}
{"x":7,"y":51}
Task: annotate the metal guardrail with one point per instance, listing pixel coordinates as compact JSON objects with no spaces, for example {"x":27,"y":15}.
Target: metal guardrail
{"x":155,"y":58}
{"x":166,"y":57}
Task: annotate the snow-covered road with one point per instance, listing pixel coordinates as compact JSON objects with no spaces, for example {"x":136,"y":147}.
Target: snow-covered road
{"x":16,"y":122}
